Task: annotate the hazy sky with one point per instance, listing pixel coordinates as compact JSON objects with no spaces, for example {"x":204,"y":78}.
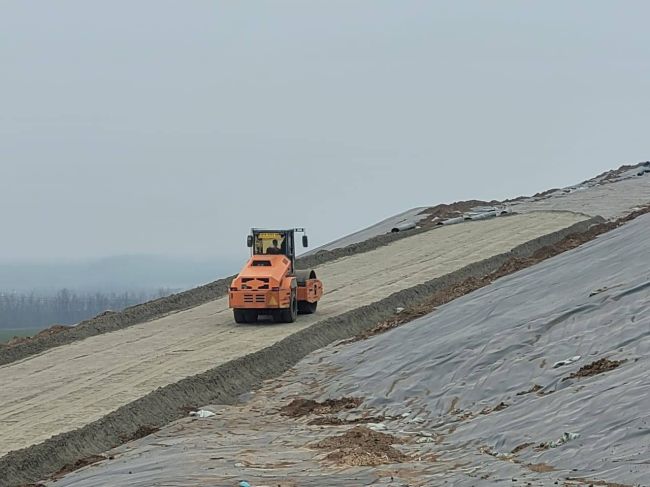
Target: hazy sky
{"x":171,"y":127}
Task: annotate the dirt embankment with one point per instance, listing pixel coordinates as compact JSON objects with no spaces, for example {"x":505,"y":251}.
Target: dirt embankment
{"x":112,"y":321}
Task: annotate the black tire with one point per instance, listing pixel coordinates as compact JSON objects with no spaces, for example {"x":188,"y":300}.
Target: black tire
{"x":245,"y":315}
{"x":289,"y":315}
{"x":251,"y":315}
{"x":239,"y":315}
{"x":306,"y":308}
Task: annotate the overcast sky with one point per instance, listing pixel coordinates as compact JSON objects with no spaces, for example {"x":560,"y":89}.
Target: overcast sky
{"x":171,"y":127}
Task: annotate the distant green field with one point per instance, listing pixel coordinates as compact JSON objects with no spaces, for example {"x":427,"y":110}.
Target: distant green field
{"x":6,"y":335}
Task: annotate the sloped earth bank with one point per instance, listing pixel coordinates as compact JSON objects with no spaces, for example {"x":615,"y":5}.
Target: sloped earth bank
{"x":420,"y":258}
{"x":610,"y":195}
{"x":538,"y":379}
{"x":70,"y":386}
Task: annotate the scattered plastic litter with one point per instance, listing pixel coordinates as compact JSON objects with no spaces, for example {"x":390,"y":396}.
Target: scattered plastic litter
{"x":566,"y":437}
{"x":416,"y":420}
{"x":568,"y":361}
{"x":377,"y":426}
{"x":202,"y":413}
{"x":399,"y":310}
{"x":424,"y":439}
{"x":243,"y":483}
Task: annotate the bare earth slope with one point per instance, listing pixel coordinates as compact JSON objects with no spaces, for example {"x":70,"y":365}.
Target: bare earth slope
{"x":500,"y":387}
{"x":69,"y":386}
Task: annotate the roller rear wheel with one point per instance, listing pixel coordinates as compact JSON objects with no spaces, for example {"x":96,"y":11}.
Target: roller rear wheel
{"x":288,"y":315}
{"x":245,"y":315}
{"x":307,"y":308}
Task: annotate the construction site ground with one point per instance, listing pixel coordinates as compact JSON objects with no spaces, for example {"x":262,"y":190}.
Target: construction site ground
{"x":76,"y":386}
{"x":67,"y":387}
{"x":508,"y":385}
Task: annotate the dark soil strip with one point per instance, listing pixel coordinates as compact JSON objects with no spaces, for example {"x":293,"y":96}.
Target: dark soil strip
{"x":224,"y":384}
{"x":598,"y":367}
{"x":303,"y":407}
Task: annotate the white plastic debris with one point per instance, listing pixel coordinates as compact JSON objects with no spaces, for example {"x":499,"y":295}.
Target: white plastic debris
{"x":424,"y":439}
{"x":377,"y":426}
{"x":399,"y":309}
{"x":416,"y":420}
{"x":202,"y":413}
{"x":568,"y":361}
{"x":566,"y":437}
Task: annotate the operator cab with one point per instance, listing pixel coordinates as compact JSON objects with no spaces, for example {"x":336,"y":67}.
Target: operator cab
{"x":275,"y":242}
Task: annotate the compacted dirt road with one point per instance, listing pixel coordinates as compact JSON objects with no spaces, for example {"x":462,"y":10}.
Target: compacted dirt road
{"x":70,"y":386}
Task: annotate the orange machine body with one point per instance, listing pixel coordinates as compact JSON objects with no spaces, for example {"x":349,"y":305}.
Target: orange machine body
{"x":268,"y":284}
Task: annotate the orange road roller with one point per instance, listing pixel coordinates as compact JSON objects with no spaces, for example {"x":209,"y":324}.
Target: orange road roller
{"x":269,"y":284}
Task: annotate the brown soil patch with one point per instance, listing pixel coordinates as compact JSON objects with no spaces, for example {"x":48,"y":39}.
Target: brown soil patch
{"x":361,"y":446}
{"x":77,"y":465}
{"x":598,"y":367}
{"x":334,"y":421}
{"x":513,"y":264}
{"x":52,"y":330}
{"x":521,"y":447}
{"x":540,"y":467}
{"x":303,"y":407}
{"x":499,"y":407}
{"x":534,"y":388}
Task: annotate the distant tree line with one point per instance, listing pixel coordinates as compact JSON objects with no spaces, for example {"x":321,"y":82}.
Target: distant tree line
{"x":64,"y":307}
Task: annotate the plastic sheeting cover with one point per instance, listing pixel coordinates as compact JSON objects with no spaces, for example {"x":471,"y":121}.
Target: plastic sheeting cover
{"x":493,"y":345}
